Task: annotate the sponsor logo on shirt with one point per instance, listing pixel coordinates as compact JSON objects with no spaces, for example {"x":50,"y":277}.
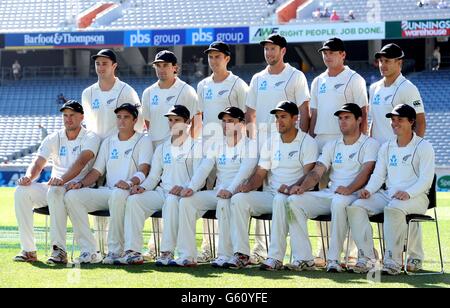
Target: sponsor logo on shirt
{"x":222,"y":93}
{"x":291,"y":155}
{"x":63,"y":151}
{"x":376,"y":99}
{"x":338,"y":159}
{"x":209,"y":94}
{"x":339,"y":85}
{"x":155,"y":100}
{"x":115,"y":154}
{"x":222,"y":160}
{"x":323,"y":89}
{"x":167,"y":159}
{"x":277,"y":156}
{"x":110,"y":101}
{"x":278,"y":84}
{"x":417,"y":103}
{"x":263,"y":86}
{"x":393,"y":161}
{"x":96,"y":104}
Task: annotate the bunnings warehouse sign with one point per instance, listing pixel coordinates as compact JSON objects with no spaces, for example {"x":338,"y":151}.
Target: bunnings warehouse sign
{"x":321,"y":32}
{"x":418,"y":28}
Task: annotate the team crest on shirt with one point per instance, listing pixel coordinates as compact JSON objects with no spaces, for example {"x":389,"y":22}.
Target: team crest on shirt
{"x":263,"y":86}
{"x":376,"y":99}
{"x":222,"y":161}
{"x":339,"y":85}
{"x":277,"y":156}
{"x":170,"y":98}
{"x":155,"y":100}
{"x":75,"y":149}
{"x":323,"y":89}
{"x":110,"y":101}
{"x":115,"y":154}
{"x":63,"y":151}
{"x":405,"y":159}
{"x":222,"y":93}
{"x":393,"y":161}
{"x":96,"y":104}
{"x":338,"y":159}
{"x":167,"y":159}
{"x":180,"y":157}
{"x":127,"y":152}
{"x":292,"y":154}
{"x":278,"y":84}
{"x":386,"y":99}
{"x":235,"y":157}
{"x":351,"y":156}
{"x":209,"y":94}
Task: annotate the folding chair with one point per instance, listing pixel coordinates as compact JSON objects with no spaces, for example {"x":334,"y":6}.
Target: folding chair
{"x":46,"y":212}
{"x":264,"y":217}
{"x":101,"y":244}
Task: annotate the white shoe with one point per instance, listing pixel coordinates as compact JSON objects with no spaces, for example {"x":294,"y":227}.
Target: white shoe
{"x":183,"y":262}
{"x":300,"y":266}
{"x":89,"y":258}
{"x":110,"y":258}
{"x":333,"y":266}
{"x":164,"y":259}
{"x":414,"y":265}
{"x":364,"y":265}
{"x":271,"y":265}
{"x":205,"y":257}
{"x":220,"y":262}
{"x":256,"y":258}
{"x":130,"y":258}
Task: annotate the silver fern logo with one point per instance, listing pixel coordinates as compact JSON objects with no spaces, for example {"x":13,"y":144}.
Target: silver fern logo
{"x":292,"y":154}
{"x":352,"y":155}
{"x":387,"y":98}
{"x":222,"y":93}
{"x":235,"y":157}
{"x":128,"y":152}
{"x":170,"y":98}
{"x":339,"y":85}
{"x":75,"y":149}
{"x":110,"y":101}
{"x":278,"y":84}
{"x":405,"y":159}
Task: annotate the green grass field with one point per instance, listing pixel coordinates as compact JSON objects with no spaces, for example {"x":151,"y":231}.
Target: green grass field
{"x":148,"y":275}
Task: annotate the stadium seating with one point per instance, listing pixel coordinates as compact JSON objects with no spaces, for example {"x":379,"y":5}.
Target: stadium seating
{"x":389,"y":10}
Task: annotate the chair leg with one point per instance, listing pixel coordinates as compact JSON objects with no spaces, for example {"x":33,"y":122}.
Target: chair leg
{"x":73,"y":248}
{"x":154,"y":236}
{"x":381,"y":240}
{"x":209,"y":236}
{"x":439,"y":242}
{"x":406,"y":250}
{"x":214,"y":238}
{"x":265,"y":237}
{"x":347,"y":249}
{"x":323,"y":241}
{"x":46,"y":236}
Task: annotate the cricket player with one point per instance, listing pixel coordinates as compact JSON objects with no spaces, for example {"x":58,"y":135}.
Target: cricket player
{"x":288,"y":156}
{"x":108,"y":93}
{"x":406,"y":165}
{"x":72,"y":150}
{"x":394,"y":89}
{"x":278,"y":82}
{"x":351,"y":160}
{"x":215,"y":93}
{"x":157,"y":99}
{"x":337,"y":86}
{"x":172,"y":169}
{"x":235,"y":159}
{"x":125,"y":159}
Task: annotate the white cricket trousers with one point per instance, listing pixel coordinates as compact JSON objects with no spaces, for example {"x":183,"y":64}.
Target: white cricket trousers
{"x":310,"y":205}
{"x":81,"y":202}
{"x":139,"y":208}
{"x":39,"y":195}
{"x":395,"y":227}
{"x":193,"y":208}
{"x":243,"y":206}
{"x":142,"y":206}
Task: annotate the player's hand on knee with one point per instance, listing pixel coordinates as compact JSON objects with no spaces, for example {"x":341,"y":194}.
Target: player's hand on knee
{"x":186,"y":193}
{"x":55,"y":181}
{"x":24,"y":181}
{"x":123,"y":185}
{"x":364,"y":194}
{"x":136,"y":190}
{"x":224,"y":194}
{"x":342,"y":190}
{"x":297,"y":190}
{"x":402,"y":195}
{"x":243,"y":188}
{"x":176,"y":190}
{"x":74,"y":186}
{"x":284,"y":189}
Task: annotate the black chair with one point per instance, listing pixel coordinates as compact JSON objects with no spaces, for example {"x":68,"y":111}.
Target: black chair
{"x":101,"y":213}
{"x":324,"y":219}
{"x":265,"y":218}
{"x":46,"y":212}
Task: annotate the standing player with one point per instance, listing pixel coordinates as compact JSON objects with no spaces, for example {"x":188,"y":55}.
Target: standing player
{"x":394,"y":89}
{"x":235,"y":158}
{"x":168,"y":91}
{"x":406,"y":165}
{"x":337,"y":86}
{"x":72,"y":151}
{"x":215,"y":93}
{"x":173,"y":166}
{"x":125,"y":159}
{"x":290,"y":154}
{"x":108,"y":93}
{"x":351,"y":160}
{"x":278,"y":82}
